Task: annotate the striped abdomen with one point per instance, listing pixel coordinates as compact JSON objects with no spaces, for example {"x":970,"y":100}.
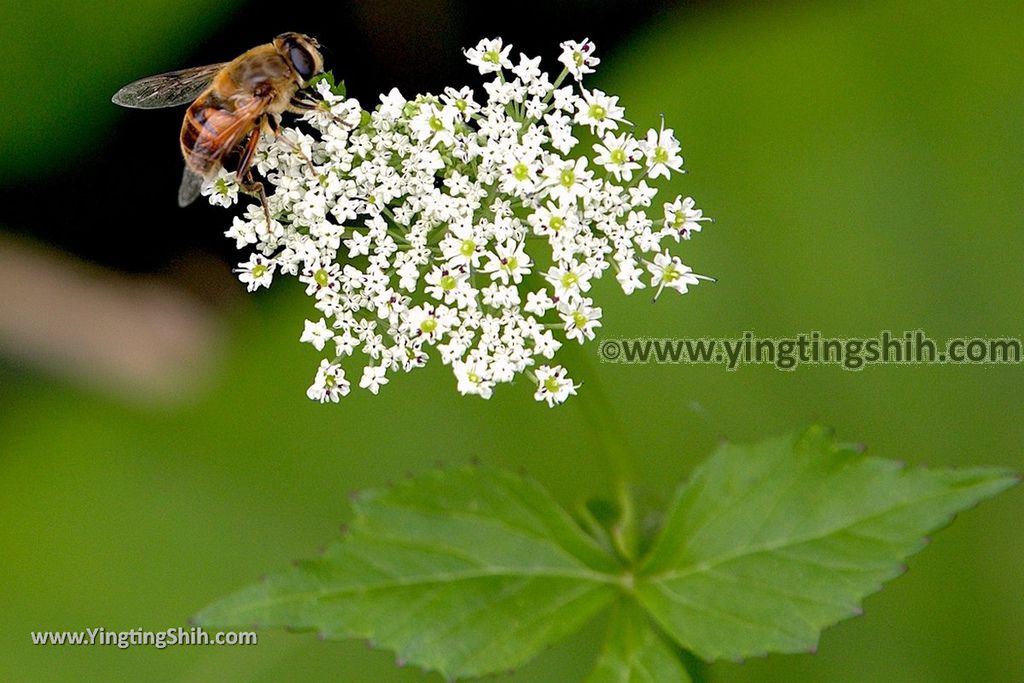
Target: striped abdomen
{"x":212,"y":129}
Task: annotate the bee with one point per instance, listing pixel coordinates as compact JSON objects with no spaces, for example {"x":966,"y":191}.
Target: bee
{"x":232,"y":105}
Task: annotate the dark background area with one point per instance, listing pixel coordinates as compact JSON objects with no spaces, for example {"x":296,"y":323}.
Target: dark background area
{"x":372,"y":46}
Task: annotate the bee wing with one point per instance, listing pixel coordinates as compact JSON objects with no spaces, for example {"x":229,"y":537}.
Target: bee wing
{"x":221,"y":135}
{"x":167,"y":90}
{"x":191,"y":186}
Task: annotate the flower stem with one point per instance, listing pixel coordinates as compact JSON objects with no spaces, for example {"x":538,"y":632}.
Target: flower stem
{"x":603,"y":422}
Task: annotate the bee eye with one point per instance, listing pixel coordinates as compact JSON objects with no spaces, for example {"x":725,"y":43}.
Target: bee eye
{"x":302,"y":61}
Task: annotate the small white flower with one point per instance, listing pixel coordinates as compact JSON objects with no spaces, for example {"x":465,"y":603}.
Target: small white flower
{"x":545,"y":344}
{"x":462,"y":246}
{"x":538,"y":303}
{"x":528,"y":70}
{"x":318,"y":277}
{"x":474,"y":378}
{"x":628,"y":276}
{"x":618,"y":154}
{"x":317,"y":334}
{"x":553,"y":385}
{"x":520,"y":176}
{"x":429,"y":323}
{"x":497,"y":296}
{"x":662,"y":150}
{"x":374,"y":377}
{"x":358,"y":244}
{"x":569,"y":279}
{"x":243,"y":232}
{"x":222,"y":189}
{"x":447,"y":284}
{"x":462,"y":100}
{"x":579,"y":57}
{"x":330,"y":383}
{"x":489,"y":56}
{"x":434,"y":124}
{"x":391,"y":105}
{"x":564,"y":99}
{"x":257,"y":272}
{"x":334,"y":109}
{"x":642,"y":194}
{"x":551,"y":220}
{"x":508,"y":262}
{"x":600,"y":112}
{"x":682,"y":219}
{"x":581,"y":318}
{"x":668,"y":271}
{"x":345,"y":344}
{"x":560,"y":130}
{"x":566,"y":181}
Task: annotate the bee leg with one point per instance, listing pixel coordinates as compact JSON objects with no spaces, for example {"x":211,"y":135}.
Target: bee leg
{"x":298,"y":105}
{"x":272,"y":124}
{"x":309,"y":162}
{"x":244,"y":172}
{"x":252,"y":186}
{"x":305,"y":157}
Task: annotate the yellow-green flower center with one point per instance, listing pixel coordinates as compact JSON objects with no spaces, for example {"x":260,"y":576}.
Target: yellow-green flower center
{"x":567,"y":178}
{"x":259,"y":270}
{"x":448,"y":283}
{"x":556,"y":223}
{"x":618,"y":156}
{"x":321,"y":277}
{"x":597,"y":112}
{"x":521,"y":171}
{"x":468,"y":248}
{"x":569,"y":280}
{"x":428,"y":325}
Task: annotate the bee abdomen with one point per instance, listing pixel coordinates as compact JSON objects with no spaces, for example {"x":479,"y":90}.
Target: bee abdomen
{"x":203,"y":135}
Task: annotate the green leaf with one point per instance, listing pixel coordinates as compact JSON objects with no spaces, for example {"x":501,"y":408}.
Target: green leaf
{"x":466,"y":572}
{"x":634,"y":653}
{"x":337,"y":88}
{"x":474,"y":571}
{"x":767,"y":545}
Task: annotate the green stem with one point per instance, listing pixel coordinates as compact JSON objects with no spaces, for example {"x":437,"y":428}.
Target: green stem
{"x":547,"y":99}
{"x":603,"y":421}
{"x":600,"y":416}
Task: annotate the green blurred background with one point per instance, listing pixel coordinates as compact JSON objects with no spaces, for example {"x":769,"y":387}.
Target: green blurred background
{"x":863,"y":161}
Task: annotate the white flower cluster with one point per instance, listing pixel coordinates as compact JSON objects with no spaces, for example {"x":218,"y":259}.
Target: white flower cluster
{"x":470,"y":230}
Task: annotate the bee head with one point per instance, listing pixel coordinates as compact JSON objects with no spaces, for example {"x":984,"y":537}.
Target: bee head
{"x":302,"y":52}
